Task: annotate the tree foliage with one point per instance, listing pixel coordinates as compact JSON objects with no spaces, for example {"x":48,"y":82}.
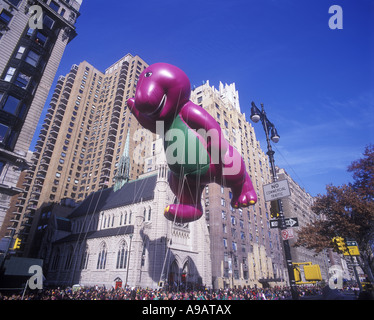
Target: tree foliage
{"x":346,"y":211}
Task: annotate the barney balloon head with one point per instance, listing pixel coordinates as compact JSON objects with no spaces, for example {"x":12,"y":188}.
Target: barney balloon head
{"x":161,"y":91}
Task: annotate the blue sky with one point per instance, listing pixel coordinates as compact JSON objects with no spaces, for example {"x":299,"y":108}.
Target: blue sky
{"x":317,"y":84}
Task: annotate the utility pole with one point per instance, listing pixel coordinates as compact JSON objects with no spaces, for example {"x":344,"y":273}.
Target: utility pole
{"x":257,"y":115}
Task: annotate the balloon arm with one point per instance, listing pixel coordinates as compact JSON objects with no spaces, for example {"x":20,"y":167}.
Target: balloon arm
{"x":198,"y":118}
{"x":142,"y":119}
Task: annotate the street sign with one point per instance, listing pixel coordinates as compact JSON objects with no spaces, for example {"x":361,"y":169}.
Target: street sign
{"x":352,"y":248}
{"x":352,"y":251}
{"x":274,"y":223}
{"x":276,"y":190}
{"x":287,"y":234}
{"x":351,"y":243}
{"x":290,"y":222}
{"x":353,"y":265}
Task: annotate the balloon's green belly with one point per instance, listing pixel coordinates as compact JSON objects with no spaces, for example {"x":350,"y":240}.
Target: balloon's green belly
{"x":185,"y":153}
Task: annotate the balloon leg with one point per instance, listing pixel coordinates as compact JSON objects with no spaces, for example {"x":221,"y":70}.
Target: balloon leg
{"x":189,"y":196}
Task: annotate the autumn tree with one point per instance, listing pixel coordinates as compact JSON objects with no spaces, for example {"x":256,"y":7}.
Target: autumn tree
{"x":346,"y":211}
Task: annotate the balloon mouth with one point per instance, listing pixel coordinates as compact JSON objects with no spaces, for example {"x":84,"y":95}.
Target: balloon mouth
{"x":160,"y":106}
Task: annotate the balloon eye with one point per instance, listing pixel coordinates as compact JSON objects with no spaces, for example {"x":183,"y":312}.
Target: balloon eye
{"x":148,"y":74}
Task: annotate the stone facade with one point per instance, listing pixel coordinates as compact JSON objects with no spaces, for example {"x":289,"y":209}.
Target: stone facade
{"x":130,"y":244}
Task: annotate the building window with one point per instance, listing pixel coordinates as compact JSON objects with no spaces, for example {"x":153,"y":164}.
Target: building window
{"x":242,"y":235}
{"x":233,"y":232}
{"x":225,"y":243}
{"x":101,"y":260}
{"x":22,"y":80}
{"x":125,"y":221}
{"x":69,"y":259}
{"x":233,"y":221}
{"x":2,"y":165}
{"x":9,"y":74}
{"x":11,"y":105}
{"x":54,"y":6}
{"x":4,"y":132}
{"x":32,"y":58}
{"x":85,"y":257}
{"x":14,"y":2}
{"x":122,"y":256}
{"x":55,"y":260}
{"x":5,"y":17}
{"x":40,"y":38}
{"x":30,"y":31}
{"x":20,"y":52}
{"x":234,"y":247}
{"x":48,"y":22}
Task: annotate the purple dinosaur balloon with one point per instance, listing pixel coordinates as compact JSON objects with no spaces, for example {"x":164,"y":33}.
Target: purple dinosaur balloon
{"x":162,"y":94}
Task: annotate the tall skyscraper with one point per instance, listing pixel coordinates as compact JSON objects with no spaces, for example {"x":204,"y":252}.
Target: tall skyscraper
{"x":81,"y":141}
{"x":245,"y":251}
{"x":31,"y":47}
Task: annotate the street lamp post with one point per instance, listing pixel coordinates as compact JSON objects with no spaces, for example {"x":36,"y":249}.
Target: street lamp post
{"x":257,"y":115}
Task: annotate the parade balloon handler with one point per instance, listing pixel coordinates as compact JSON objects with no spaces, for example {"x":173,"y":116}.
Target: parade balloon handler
{"x":196,"y":151}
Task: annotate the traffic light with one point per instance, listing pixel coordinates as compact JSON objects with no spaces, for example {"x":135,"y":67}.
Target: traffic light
{"x":339,"y":245}
{"x":274,"y":209}
{"x":17,"y":244}
{"x":297,"y":273}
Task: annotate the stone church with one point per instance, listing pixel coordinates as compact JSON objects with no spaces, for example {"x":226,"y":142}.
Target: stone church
{"x":118,"y":238}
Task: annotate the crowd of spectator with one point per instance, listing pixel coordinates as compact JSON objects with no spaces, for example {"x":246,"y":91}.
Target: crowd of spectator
{"x":102,"y":293}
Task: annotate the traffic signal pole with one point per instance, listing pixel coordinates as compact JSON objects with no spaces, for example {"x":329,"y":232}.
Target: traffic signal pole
{"x":341,"y":246}
{"x":356,"y":273}
{"x":257,"y":115}
{"x":286,"y":244}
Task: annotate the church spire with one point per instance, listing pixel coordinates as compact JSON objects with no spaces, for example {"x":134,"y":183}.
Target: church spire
{"x":123,"y":173}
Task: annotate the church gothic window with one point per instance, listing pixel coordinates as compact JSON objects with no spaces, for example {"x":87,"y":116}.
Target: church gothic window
{"x":55,"y":260}
{"x":101,"y":260}
{"x":122,"y":256}
{"x":84,"y":261}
